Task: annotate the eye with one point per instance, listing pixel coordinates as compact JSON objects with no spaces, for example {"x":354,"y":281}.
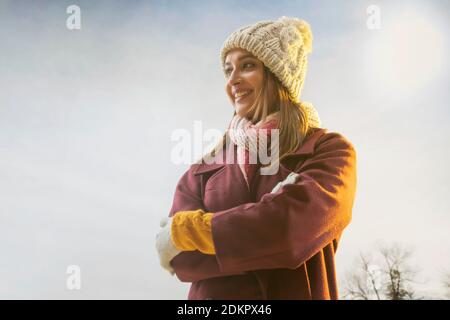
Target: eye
{"x":228,"y":70}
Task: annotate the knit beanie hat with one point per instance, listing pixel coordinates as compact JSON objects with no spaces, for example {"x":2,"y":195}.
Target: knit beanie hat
{"x":282,"y":46}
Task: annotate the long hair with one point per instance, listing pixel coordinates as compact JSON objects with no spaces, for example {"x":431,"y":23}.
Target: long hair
{"x":293,"y":122}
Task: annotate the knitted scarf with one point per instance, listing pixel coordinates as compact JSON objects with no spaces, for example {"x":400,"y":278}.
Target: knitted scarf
{"x":245,"y":135}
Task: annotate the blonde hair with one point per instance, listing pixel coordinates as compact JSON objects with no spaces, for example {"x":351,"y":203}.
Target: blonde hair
{"x":293,"y":118}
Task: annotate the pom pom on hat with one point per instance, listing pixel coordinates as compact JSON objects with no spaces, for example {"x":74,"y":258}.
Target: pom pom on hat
{"x":303,"y":28}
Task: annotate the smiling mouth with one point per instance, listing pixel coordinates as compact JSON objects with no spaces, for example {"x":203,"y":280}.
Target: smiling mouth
{"x":243,"y":96}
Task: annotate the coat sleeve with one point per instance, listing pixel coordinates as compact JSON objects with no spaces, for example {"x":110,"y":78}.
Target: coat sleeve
{"x":286,"y":228}
{"x":191,"y":266}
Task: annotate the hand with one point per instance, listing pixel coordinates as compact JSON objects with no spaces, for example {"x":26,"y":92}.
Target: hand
{"x":164,"y":245}
{"x":291,"y":178}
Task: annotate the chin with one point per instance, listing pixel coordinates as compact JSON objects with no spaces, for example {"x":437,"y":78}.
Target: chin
{"x":242,"y":110}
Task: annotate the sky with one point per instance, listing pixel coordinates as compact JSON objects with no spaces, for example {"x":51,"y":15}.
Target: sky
{"x":87,"y":116}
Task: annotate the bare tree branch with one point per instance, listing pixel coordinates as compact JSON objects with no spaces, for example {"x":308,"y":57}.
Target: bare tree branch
{"x":391,"y":279}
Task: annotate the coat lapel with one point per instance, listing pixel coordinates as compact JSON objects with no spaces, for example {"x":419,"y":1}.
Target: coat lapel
{"x":307,"y":148}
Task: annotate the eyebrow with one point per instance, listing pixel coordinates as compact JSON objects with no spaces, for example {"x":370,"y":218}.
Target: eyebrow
{"x":241,"y":58}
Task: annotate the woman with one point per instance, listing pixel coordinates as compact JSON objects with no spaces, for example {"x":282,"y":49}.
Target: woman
{"x":237,"y":233}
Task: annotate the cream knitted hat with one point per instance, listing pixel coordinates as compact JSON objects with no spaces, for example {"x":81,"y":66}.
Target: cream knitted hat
{"x":282,"y":46}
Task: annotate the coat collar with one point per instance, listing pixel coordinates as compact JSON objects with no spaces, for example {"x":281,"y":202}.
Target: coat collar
{"x":307,"y":148}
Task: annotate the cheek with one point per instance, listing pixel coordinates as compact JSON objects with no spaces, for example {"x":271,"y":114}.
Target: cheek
{"x":257,"y":80}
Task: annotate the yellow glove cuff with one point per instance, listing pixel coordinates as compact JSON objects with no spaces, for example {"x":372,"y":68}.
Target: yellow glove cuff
{"x":191,"y":230}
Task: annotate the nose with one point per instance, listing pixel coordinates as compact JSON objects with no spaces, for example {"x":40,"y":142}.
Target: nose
{"x":234,"y":78}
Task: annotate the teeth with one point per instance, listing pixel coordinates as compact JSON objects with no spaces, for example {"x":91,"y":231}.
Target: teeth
{"x":240,"y":94}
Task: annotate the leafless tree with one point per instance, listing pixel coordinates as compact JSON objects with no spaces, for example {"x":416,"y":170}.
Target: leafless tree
{"x":387,"y":276}
{"x":362,"y":284}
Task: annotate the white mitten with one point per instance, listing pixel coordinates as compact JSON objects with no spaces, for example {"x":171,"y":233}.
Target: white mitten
{"x":164,"y":245}
{"x":291,"y":178}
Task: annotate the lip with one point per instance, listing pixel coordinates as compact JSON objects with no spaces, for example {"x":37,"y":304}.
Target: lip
{"x":243,"y":97}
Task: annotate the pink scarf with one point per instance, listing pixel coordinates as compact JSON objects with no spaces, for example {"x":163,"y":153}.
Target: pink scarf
{"x":244,"y":135}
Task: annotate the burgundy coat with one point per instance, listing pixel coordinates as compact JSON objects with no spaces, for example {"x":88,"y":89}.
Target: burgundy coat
{"x":271,"y":245}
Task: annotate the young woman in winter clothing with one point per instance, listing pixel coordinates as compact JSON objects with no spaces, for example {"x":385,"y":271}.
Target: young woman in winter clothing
{"x":237,"y":232}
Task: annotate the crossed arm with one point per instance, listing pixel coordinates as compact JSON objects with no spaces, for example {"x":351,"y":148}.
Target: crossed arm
{"x":308,"y":212}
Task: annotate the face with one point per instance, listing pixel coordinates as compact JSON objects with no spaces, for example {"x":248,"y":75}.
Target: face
{"x":245,"y":75}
